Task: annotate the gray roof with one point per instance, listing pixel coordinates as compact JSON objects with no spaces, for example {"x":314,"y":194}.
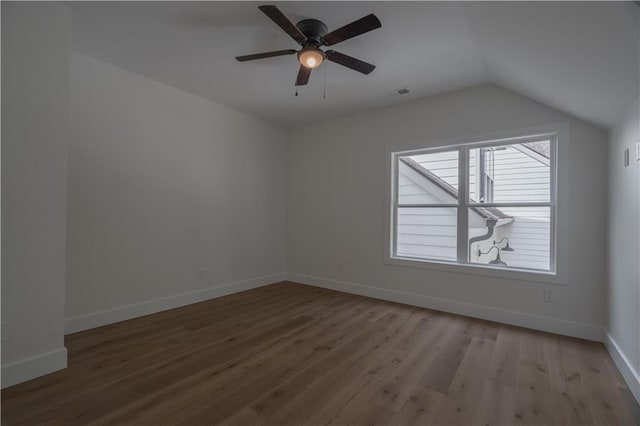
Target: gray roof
{"x":541,"y":147}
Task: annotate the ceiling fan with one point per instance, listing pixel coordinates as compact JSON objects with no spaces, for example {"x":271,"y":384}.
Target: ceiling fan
{"x":311,"y":34}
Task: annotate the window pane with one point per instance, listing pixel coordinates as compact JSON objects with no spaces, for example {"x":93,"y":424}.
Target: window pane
{"x":513,"y":173}
{"x":521,"y":237}
{"x":427,"y":233}
{"x":428,"y":178}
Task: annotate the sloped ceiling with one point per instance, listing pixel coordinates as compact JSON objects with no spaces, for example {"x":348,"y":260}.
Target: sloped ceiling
{"x":582,"y":58}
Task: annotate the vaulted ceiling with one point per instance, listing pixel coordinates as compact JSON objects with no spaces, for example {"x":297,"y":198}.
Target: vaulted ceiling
{"x":580,"y":57}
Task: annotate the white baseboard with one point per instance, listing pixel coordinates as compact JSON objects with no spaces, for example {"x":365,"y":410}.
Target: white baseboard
{"x":625,"y":367}
{"x":32,"y":367}
{"x":97,"y":319}
{"x":536,"y":322}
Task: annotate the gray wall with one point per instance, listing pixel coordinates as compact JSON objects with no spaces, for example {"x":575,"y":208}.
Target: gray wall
{"x":35,"y":92}
{"x":164,"y":184}
{"x":624,"y":237}
{"x":336,"y":205}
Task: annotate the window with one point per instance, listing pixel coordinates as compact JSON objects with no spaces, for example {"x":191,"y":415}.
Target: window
{"x":489,"y":204}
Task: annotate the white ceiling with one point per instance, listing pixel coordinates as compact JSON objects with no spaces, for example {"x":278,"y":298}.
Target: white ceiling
{"x":582,"y":58}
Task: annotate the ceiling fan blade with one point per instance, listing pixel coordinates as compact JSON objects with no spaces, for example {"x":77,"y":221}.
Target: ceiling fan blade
{"x":283,"y":22}
{"x":265,"y":55}
{"x":349,"y":62}
{"x":303,"y":76}
{"x":354,"y":29}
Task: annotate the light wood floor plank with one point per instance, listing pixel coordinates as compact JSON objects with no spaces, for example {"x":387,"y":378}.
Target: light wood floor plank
{"x":604,"y":399}
{"x":569,"y":398}
{"x":420,"y":408}
{"x":504,"y":363}
{"x":534,"y":401}
{"x":496,"y":404}
{"x":467,"y":385}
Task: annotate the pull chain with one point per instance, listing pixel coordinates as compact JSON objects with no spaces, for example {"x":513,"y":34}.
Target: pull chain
{"x":324,"y":93}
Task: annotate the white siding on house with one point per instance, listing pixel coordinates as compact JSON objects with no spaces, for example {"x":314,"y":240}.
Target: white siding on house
{"x":424,"y":232}
{"x":427,"y":232}
{"x":519,"y":175}
{"x":414,"y":188}
{"x":529,"y":236}
{"x":442,"y":164}
{"x":409,"y":192}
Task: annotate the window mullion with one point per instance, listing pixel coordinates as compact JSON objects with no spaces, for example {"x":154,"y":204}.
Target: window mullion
{"x":554,"y":204}
{"x":463,"y":211}
{"x":395,"y":201}
{"x":425,"y":206}
{"x":510,"y":204}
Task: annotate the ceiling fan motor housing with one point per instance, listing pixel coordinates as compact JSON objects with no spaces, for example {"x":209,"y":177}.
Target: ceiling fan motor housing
{"x":313,"y":30}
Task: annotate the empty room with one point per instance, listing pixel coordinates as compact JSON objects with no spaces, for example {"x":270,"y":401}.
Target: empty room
{"x":320,"y":213}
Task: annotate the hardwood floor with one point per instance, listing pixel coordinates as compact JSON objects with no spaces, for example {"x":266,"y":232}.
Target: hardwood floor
{"x":293,"y":354}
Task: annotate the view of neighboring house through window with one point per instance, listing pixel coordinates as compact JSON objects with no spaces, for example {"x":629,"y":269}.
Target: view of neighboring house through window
{"x":505,"y":218}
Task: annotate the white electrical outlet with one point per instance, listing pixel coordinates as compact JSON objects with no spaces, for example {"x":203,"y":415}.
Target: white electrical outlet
{"x":547,"y":295}
{"x":201,"y":274}
{"x":638,"y":150}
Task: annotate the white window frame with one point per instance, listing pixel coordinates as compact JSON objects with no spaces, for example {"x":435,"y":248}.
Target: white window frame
{"x":558,"y":134}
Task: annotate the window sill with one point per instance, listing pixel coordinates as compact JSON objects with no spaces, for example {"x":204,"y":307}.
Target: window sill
{"x":544,"y":277}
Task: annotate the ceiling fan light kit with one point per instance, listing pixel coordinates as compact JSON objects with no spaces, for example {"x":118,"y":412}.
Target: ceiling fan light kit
{"x":310,"y":57}
{"x":311,"y":35}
